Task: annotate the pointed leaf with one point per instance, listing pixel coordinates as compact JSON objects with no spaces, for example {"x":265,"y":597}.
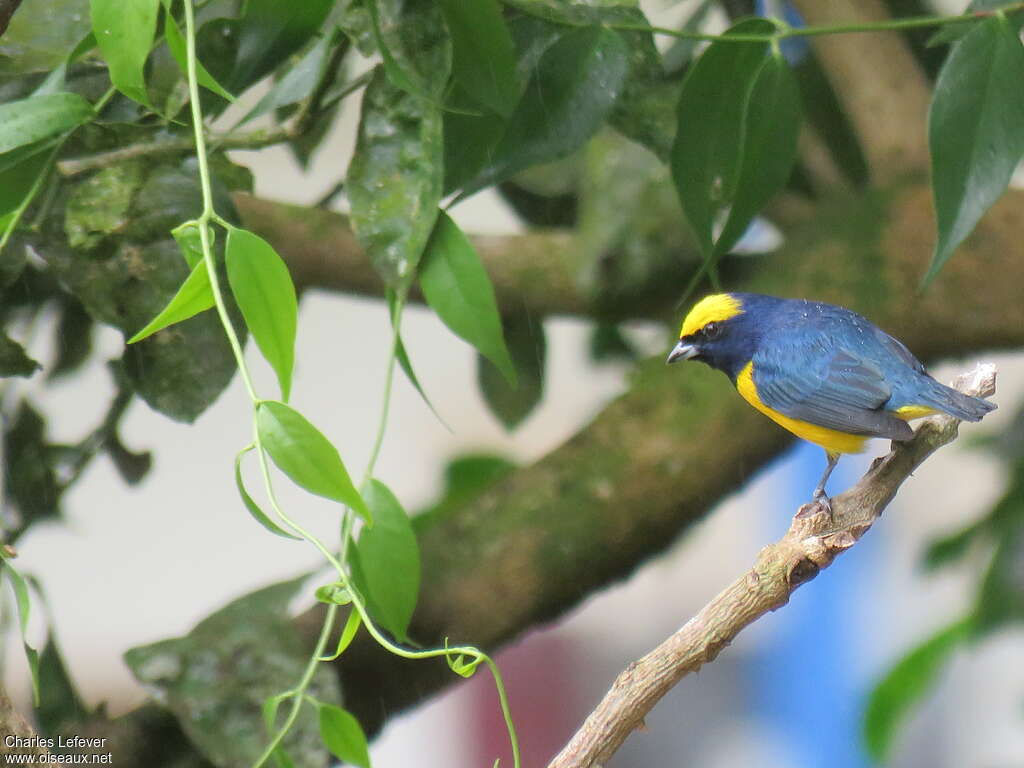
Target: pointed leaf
{"x":771,"y":124}
{"x":343,"y":736}
{"x":348,"y":634}
{"x":190,"y":244}
{"x":403,"y":356}
{"x":484,"y":54}
{"x":264,"y":291}
{"x":302,"y":452}
{"x":176,"y":45}
{"x":194,"y":296}
{"x":706,"y":156}
{"x":37,"y":117}
{"x":457,"y":287}
{"x":414,"y":45}
{"x":14,"y":360}
{"x":572,"y":91}
{"x":298,"y":82}
{"x":59,"y":703}
{"x":974,"y":130}
{"x":905,"y":684}
{"x":124,"y":32}
{"x":258,"y":514}
{"x":269,"y":32}
{"x":527,"y":345}
{"x":395,"y":179}
{"x":24,"y":607}
{"x":386,"y":562}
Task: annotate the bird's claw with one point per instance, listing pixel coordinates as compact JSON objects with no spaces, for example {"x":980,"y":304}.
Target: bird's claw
{"x":820,"y":498}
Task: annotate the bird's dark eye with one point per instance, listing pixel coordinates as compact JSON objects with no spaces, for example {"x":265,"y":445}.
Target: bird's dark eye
{"x":712,"y":330}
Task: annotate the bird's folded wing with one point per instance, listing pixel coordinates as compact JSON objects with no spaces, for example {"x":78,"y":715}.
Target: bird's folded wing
{"x":835,"y":389}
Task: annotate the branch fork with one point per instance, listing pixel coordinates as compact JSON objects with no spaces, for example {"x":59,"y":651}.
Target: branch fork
{"x":814,"y":539}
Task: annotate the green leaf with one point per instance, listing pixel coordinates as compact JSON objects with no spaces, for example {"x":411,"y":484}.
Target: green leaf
{"x":394,"y":181}
{"x":343,"y":736}
{"x":414,"y":45}
{"x":217,"y":679}
{"x":905,"y":684}
{"x":1001,"y":595}
{"x":348,"y":634}
{"x":194,"y":296}
{"x":59,"y":706}
{"x":386,"y":562}
{"x":264,"y":291}
{"x":403,"y":357}
{"x":298,"y":82}
{"x":974,"y":130}
{"x":948,"y":549}
{"x":457,"y":662}
{"x":771,"y":124}
{"x":176,"y":44}
{"x":124,"y":32}
{"x":527,"y":345}
{"x":39,"y":40}
{"x":38,"y":117}
{"x":950,"y":33}
{"x":465,"y":478}
{"x":190,"y":243}
{"x":569,"y":96}
{"x":484,"y":54}
{"x":708,"y":152}
{"x":14,"y":360}
{"x":458,"y":289}
{"x":24,"y":607}
{"x":302,"y":452}
{"x":258,"y":514}
{"x":269,"y":32}
{"x":334,"y":594}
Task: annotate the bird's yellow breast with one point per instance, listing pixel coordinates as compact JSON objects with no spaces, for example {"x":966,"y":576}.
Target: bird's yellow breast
{"x":831,"y":440}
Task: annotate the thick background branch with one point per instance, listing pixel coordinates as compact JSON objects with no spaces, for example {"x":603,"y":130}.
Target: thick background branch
{"x":663,"y":454}
{"x":886,"y":102}
{"x":812,"y":542}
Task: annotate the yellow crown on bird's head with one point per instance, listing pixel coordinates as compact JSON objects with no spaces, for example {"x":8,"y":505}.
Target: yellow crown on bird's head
{"x":711,"y":309}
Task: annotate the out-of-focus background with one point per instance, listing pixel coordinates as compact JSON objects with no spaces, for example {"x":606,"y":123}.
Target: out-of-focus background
{"x":790,"y":692}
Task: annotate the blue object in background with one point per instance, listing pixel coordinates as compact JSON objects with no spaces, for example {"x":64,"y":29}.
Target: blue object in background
{"x":795,"y":49}
{"x":809,"y":676}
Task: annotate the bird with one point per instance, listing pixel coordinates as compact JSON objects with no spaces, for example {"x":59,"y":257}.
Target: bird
{"x":825,"y":373}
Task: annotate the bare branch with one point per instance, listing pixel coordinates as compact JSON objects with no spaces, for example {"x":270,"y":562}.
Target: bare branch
{"x":813,"y":541}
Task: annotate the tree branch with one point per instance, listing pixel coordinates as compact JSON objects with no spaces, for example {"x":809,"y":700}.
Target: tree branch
{"x":887,"y":104}
{"x":627,"y":485}
{"x":13,"y":724}
{"x":813,"y":541}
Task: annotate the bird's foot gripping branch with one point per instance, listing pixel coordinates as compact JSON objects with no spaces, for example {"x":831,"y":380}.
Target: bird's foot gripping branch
{"x":813,"y":541}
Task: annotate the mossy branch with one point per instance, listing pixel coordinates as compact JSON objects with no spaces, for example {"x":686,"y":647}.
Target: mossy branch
{"x":814,"y":539}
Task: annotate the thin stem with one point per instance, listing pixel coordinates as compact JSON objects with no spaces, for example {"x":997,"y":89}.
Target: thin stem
{"x":348,"y":519}
{"x":298,"y":693}
{"x":180,"y":145}
{"x":785,"y":31}
{"x":208,"y":212}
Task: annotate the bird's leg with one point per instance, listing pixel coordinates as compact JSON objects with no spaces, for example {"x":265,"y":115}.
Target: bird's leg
{"x":819,"y":496}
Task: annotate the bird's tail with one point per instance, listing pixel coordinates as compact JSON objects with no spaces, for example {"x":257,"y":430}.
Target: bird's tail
{"x":957,"y":404}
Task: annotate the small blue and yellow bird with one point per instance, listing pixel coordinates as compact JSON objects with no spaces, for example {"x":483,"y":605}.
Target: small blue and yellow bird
{"x":825,"y":373}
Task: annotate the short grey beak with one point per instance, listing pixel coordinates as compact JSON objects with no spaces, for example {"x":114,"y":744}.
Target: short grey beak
{"x":682,"y":351}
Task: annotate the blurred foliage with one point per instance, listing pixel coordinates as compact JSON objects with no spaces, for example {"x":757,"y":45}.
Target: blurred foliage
{"x":995,"y":542}
{"x":657,"y":163}
{"x":216,"y":678}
